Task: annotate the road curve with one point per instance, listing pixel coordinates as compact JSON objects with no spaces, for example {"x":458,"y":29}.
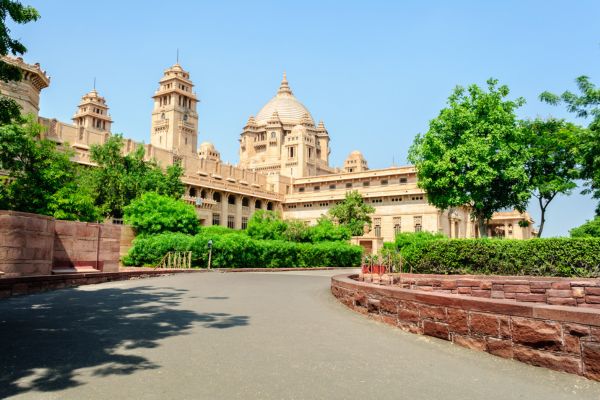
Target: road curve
{"x":240,"y":336}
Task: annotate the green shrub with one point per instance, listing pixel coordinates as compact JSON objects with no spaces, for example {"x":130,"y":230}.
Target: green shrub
{"x":216,"y":230}
{"x":544,"y":257}
{"x":326,"y":231}
{"x":152,"y":213}
{"x":237,"y":250}
{"x":587,"y":230}
{"x":408,"y":243}
{"x":266,"y":225}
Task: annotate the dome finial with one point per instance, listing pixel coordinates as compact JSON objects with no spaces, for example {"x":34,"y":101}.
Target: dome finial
{"x":284,"y":87}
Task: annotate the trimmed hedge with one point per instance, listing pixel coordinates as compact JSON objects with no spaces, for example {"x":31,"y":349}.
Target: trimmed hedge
{"x":543,"y":257}
{"x":237,"y":250}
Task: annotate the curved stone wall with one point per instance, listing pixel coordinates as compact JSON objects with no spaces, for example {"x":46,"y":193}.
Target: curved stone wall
{"x":562,"y":338}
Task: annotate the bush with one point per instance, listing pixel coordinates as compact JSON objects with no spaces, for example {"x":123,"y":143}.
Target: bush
{"x":236,"y":250}
{"x":587,"y":230}
{"x":266,"y":225}
{"x":409,"y":242}
{"x":544,"y":257}
{"x":327,"y":231}
{"x":152,"y":213}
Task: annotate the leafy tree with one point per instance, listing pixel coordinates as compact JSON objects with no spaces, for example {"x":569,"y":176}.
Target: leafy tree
{"x":352,"y":212}
{"x":119,"y":179}
{"x":297,"y":231}
{"x":473,"y":154}
{"x":585,"y":104}
{"x":153,"y":213}
{"x":551,"y":160}
{"x":266,"y":225}
{"x":587,"y":230}
{"x":36,"y":170}
{"x":20,"y":14}
{"x":326,"y":231}
{"x":75,"y":200}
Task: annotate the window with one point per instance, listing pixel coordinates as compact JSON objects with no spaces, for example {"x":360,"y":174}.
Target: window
{"x":376,"y":200}
{"x":317,"y":188}
{"x":231,"y":221}
{"x":397,"y":225}
{"x":331,"y":187}
{"x":366,"y":183}
{"x":301,"y":190}
{"x":384,"y":182}
{"x":348,"y":185}
{"x":244,"y":222}
{"x":377,"y":225}
{"x":216,"y":219}
{"x":231,"y":199}
{"x":270,"y":206}
{"x":403,"y":180}
{"x":418,"y":224}
{"x":217,"y":197}
{"x":273,"y":135}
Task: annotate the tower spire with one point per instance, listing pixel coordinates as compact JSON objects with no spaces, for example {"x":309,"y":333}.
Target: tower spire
{"x":177,"y":59}
{"x":284,"y":88}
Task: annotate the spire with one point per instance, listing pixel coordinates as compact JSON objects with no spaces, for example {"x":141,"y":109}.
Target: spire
{"x":284,"y":88}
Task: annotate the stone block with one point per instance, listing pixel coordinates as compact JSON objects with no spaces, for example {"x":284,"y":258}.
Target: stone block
{"x":561,"y":301}
{"x":432,"y":312}
{"x":516,"y":288}
{"x":407,"y":315}
{"x":435,"y":329}
{"x":595,"y":291}
{"x":590,"y":356}
{"x":373,"y":306}
{"x":485,"y":285}
{"x":448,"y":284}
{"x":563,"y":285}
{"x":497,"y":294}
{"x":481,"y":293}
{"x":546,"y":359}
{"x":483,"y":324}
{"x":529,"y":297}
{"x":469,"y":342}
{"x":500,"y":347}
{"x":592,"y":299}
{"x":388,"y":306}
{"x":536,"y":333}
{"x":540,"y":285}
{"x":558,"y":293}
{"x":505,"y":329}
{"x":464,"y":290}
{"x":458,"y":321}
{"x":578,"y":292}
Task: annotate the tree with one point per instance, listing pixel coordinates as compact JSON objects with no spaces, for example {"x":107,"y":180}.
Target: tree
{"x":584,"y":105}
{"x":326,"y":231}
{"x":473,"y":154}
{"x":591,"y":229}
{"x":551,"y":160}
{"x":37,"y":171}
{"x":119,"y":179}
{"x":20,"y":14}
{"x":153,"y":213}
{"x":266,"y":225}
{"x":352,"y":212}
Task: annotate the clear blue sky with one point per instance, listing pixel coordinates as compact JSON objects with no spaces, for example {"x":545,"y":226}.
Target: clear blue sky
{"x":376,"y":72}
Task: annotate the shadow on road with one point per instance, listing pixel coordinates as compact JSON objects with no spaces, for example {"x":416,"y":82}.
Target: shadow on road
{"x":45,"y":339}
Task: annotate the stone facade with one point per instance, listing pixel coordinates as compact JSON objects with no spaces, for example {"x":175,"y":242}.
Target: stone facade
{"x":557,"y":337}
{"x":284,"y":163}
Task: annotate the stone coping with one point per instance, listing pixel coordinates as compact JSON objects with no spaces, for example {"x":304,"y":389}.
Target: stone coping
{"x":499,"y":306}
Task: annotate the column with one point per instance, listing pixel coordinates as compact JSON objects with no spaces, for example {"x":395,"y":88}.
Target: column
{"x":224,"y":208}
{"x":238,"y":212}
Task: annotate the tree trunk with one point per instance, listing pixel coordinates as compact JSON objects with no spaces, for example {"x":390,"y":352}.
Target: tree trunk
{"x":542,"y":216}
{"x":482,"y":226}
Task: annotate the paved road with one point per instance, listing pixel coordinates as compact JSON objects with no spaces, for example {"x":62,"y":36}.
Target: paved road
{"x":240,"y":336}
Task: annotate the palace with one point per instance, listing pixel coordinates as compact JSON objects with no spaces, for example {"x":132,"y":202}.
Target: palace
{"x":284,"y":163}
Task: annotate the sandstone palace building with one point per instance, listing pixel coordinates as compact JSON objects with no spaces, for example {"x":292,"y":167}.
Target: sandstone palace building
{"x":283,"y":166}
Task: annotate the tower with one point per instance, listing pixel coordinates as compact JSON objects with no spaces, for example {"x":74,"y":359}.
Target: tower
{"x":174,"y":117}
{"x":92,"y":113}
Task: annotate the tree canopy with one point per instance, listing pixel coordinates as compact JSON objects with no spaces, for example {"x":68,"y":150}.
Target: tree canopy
{"x":473,"y":153}
{"x":591,"y":229}
{"x":551,"y":165}
{"x":586,"y":104}
{"x":352,"y":212}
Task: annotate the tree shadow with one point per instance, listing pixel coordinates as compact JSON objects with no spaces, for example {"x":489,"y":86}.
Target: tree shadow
{"x":45,"y":338}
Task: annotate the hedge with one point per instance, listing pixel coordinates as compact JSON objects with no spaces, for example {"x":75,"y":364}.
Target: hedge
{"x":543,"y":257}
{"x":237,"y":250}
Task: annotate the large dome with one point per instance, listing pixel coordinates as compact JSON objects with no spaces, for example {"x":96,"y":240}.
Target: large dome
{"x":290,"y":110}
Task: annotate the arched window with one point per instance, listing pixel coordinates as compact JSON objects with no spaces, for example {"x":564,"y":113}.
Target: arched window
{"x":245,"y":202}
{"x":203,"y":194}
{"x":217,"y":197}
{"x":270,"y":206}
{"x":258,"y":204}
{"x":193,"y":192}
{"x":231,"y":199}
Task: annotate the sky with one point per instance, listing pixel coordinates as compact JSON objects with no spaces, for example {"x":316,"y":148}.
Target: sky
{"x":375,"y":72}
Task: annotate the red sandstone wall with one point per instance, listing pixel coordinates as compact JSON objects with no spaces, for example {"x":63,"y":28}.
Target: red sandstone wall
{"x":26,"y":244}
{"x":32,"y":244}
{"x":557,"y":337}
{"x":87,"y":244}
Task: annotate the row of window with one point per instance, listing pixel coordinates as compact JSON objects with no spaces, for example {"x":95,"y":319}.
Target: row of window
{"x":216,"y":220}
{"x":349,"y":185}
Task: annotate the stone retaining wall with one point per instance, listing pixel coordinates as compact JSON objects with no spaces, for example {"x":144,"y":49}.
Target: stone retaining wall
{"x":562,"y":338}
{"x":550,"y":290}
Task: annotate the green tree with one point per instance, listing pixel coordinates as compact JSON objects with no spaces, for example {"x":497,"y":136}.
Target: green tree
{"x":586,"y":104}
{"x":20,"y":14}
{"x":326,"y":231}
{"x":473,"y":154}
{"x":75,"y":200}
{"x":296,"y":231}
{"x":266,"y":225}
{"x":587,"y":230}
{"x":352,"y":212}
{"x":153,"y":213}
{"x":551,"y":160}
{"x":36,"y":170}
{"x":118,"y":179}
